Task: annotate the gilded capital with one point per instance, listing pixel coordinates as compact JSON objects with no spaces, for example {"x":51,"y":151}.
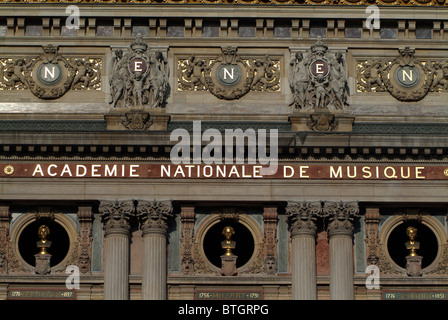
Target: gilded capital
{"x":302,"y":217}
{"x":154,"y":216}
{"x":116,"y":216}
{"x":341,"y":215}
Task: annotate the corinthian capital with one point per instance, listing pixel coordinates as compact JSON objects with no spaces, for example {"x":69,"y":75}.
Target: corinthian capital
{"x":154,"y":216}
{"x":302,"y":217}
{"x":341,"y":216}
{"x":116,"y":216}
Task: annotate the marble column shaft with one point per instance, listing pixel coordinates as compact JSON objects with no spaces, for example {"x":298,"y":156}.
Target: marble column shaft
{"x":154,"y":218}
{"x":303,"y":237}
{"x":116,"y":273}
{"x":116,"y":215}
{"x":340,"y":234}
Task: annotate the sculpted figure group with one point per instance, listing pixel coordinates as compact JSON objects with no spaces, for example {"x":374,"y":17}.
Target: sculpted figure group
{"x":314,"y":90}
{"x":133,"y":85}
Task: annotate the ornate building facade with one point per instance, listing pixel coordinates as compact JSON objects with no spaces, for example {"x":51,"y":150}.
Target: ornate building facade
{"x":99,"y":99}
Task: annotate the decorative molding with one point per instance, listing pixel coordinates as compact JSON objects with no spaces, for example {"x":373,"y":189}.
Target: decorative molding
{"x":187,"y":216}
{"x":372,"y":218}
{"x":53,"y":125}
{"x":139,"y":77}
{"x":137,"y":120}
{"x":223,"y":125}
{"x":341,"y":216}
{"x":380,"y":75}
{"x":403,"y":3}
{"x":4,"y":239}
{"x":85,"y":239}
{"x":322,"y":122}
{"x":318,"y":79}
{"x":260,"y":74}
{"x":302,"y":217}
{"x":116,"y":216}
{"x":66,"y":73}
{"x":154,"y":216}
{"x":270,"y":218}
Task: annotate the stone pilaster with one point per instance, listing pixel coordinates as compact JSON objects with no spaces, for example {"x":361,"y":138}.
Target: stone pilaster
{"x":116,"y":219}
{"x":302,"y":217}
{"x":154,"y":216}
{"x":270,"y":217}
{"x":187,"y":216}
{"x":4,"y":238}
{"x":85,"y":239}
{"x":372,"y":217}
{"x":340,"y":234}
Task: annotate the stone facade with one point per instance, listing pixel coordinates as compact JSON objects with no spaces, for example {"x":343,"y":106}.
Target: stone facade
{"x":86,"y":116}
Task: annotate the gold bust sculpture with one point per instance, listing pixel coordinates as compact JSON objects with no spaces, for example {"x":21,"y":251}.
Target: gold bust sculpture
{"x":412,"y":245}
{"x":228,"y":244}
{"x":44,"y":243}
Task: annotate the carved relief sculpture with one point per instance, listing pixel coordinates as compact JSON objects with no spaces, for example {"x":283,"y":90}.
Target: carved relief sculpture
{"x":154,"y":216}
{"x":302,"y":217}
{"x":4,"y":238}
{"x":116,"y":216}
{"x":187,"y":216}
{"x":139,"y":77}
{"x":318,"y":79}
{"x":228,"y":76}
{"x":372,"y":217}
{"x":341,"y":216}
{"x":50,"y":75}
{"x":406,"y":78}
{"x":85,"y":238}
{"x":270,"y":217}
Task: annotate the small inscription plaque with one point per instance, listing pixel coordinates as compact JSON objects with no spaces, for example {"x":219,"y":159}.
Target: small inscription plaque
{"x":415,"y":295}
{"x":228,"y":295}
{"x":41,"y":294}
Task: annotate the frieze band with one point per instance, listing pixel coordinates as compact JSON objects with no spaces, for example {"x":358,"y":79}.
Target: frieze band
{"x":318,"y":78}
{"x":170,"y":171}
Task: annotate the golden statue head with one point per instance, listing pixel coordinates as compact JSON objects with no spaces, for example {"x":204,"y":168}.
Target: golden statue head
{"x":411,"y":233}
{"x":43,"y":232}
{"x":228,"y":232}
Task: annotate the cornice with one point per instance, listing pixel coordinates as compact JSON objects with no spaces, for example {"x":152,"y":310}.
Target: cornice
{"x":405,"y":3}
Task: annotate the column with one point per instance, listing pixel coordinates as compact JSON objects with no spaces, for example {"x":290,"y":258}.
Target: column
{"x":340,"y":234}
{"x":302,"y":224}
{"x":116,"y":216}
{"x":154,"y":217}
